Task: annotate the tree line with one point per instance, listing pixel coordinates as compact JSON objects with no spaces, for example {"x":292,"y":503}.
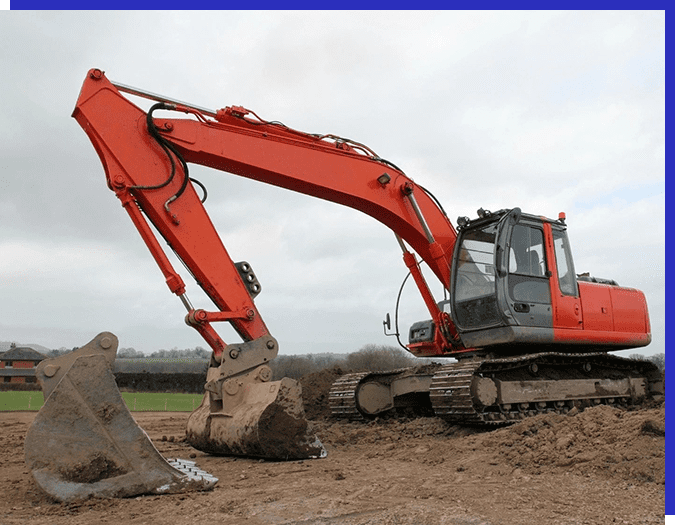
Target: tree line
{"x":378,"y":358}
{"x":189,"y":353}
{"x":370,"y":357}
{"x":658,"y":359}
{"x":131,"y":353}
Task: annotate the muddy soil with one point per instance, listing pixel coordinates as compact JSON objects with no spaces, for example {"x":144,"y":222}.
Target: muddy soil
{"x":599,"y":466}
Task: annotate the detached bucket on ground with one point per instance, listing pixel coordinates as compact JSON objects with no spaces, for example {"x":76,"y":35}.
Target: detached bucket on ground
{"x":85,"y":443}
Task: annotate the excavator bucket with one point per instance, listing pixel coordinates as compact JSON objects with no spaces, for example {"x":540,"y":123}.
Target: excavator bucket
{"x":85,"y":443}
{"x":245,"y":417}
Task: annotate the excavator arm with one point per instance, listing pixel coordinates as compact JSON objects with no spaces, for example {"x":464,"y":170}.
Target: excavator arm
{"x":146,"y":164}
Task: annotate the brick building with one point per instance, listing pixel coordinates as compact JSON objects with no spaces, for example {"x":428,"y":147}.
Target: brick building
{"x":17,"y":365}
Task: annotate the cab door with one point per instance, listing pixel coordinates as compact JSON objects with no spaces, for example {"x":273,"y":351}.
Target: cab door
{"x":565,"y":297}
{"x":528,"y":287}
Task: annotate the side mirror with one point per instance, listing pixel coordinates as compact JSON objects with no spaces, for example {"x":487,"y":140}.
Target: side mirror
{"x":387,"y":325}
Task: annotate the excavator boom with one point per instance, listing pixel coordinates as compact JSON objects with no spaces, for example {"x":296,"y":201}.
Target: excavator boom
{"x":145,"y":160}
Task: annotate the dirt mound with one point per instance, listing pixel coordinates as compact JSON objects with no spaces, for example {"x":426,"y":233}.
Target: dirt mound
{"x":382,"y":431}
{"x":629,"y":445}
{"x":602,"y":441}
{"x":626,"y":445}
{"x":389,"y":471}
{"x":315,"y":389}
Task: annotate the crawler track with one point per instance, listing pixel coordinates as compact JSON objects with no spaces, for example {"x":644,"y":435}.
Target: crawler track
{"x":343,"y":394}
{"x":540,"y":383}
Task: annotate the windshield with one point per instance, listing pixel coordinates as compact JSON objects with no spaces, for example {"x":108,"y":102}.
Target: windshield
{"x":475,"y":275}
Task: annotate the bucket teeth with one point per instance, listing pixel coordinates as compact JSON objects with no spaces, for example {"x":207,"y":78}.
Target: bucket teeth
{"x":195,"y":476}
{"x":85,"y":443}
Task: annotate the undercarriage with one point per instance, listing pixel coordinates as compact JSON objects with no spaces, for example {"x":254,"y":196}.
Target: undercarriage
{"x":494,"y":391}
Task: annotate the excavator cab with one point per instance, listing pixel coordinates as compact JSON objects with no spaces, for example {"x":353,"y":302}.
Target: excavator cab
{"x":503,"y":284}
{"x":514,"y":284}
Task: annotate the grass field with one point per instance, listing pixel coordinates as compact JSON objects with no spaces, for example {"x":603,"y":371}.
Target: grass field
{"x":137,"y":402}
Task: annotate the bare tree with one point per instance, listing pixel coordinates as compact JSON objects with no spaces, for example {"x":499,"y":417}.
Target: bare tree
{"x":129,"y":353}
{"x":658,"y":359}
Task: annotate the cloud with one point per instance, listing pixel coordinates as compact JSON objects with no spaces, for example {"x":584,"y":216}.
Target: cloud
{"x":549,"y":111}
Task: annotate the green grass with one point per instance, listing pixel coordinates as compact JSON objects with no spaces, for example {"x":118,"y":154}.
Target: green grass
{"x":151,"y":402}
{"x":21,"y":401}
{"x":137,"y":402}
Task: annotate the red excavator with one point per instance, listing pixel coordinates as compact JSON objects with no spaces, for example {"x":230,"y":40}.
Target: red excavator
{"x":528,"y":334}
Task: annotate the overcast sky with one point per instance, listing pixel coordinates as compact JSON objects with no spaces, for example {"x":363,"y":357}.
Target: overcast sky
{"x":548,"y":111}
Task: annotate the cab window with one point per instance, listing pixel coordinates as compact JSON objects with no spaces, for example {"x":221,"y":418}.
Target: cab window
{"x":563,"y":259}
{"x":475,"y":264}
{"x":527,"y":251}
{"x":527,"y":280}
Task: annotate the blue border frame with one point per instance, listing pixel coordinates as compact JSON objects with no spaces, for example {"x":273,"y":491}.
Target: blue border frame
{"x":313,"y":5}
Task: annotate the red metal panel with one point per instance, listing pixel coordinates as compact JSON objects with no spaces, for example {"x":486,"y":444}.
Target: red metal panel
{"x":630,"y":310}
{"x":625,"y":324}
{"x":597,"y":306}
{"x":612,"y":340}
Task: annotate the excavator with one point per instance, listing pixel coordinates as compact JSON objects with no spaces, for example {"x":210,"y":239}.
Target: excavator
{"x":527,"y":335}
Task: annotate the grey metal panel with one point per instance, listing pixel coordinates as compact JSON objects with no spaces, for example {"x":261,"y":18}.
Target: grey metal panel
{"x":507,"y":335}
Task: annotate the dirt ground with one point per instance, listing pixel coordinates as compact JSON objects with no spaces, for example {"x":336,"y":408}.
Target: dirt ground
{"x":599,"y":466}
